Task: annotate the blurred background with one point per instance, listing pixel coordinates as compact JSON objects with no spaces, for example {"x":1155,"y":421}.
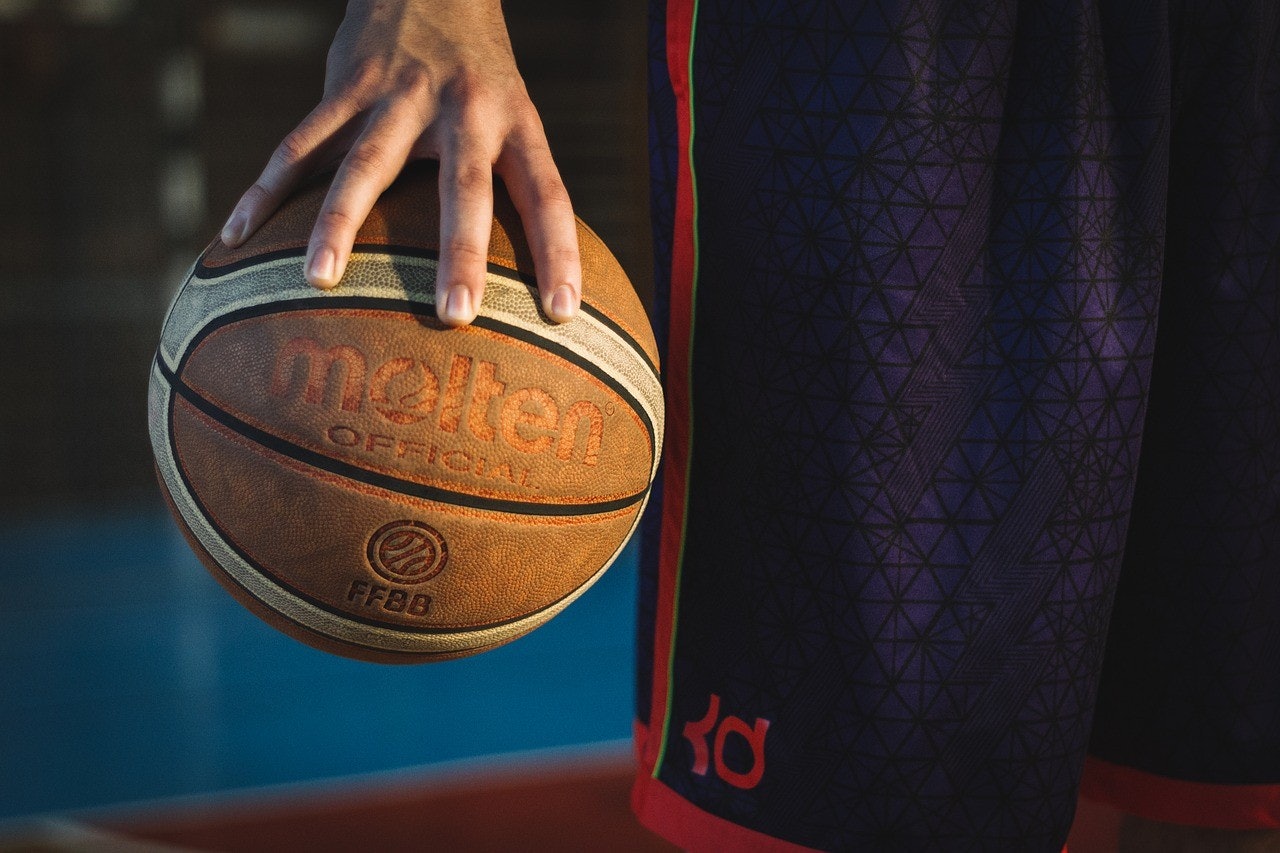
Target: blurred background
{"x":139,"y":706}
{"x":129,"y":128}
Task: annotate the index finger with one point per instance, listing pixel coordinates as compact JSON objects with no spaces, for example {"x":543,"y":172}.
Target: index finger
{"x":370,"y":166}
{"x":292,"y":159}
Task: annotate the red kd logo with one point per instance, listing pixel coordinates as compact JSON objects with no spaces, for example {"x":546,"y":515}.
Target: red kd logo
{"x":696,"y":733}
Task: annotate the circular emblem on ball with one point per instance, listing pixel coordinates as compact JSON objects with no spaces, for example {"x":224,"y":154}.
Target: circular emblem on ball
{"x":407,"y":552}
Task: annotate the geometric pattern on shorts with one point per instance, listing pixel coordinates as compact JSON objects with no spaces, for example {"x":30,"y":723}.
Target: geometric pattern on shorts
{"x":930,"y":255}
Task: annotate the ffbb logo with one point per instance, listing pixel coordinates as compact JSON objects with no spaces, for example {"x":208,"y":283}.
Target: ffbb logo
{"x":407,"y":552}
{"x":467,"y":396}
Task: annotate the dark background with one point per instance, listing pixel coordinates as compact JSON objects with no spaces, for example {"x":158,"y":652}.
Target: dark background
{"x":128,"y":129}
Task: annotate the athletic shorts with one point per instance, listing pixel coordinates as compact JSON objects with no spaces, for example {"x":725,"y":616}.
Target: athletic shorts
{"x":971,"y":494}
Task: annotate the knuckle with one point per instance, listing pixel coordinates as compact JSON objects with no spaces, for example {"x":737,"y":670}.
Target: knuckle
{"x":563,"y":253}
{"x":366,"y":159}
{"x":415,"y":81}
{"x":365,"y":76}
{"x":469,"y":87}
{"x":528,"y":121}
{"x":526,"y":126}
{"x":336,"y":220}
{"x":471,"y":129}
{"x":462,"y":249}
{"x":473,"y":178}
{"x":257,"y":194}
{"x":357,"y":87}
{"x":292,"y":149}
{"x":550,"y":191}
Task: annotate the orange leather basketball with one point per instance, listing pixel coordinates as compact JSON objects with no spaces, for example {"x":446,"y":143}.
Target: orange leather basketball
{"x":379,"y":485}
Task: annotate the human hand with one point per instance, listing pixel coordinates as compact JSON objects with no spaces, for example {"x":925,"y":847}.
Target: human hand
{"x":412,"y":79}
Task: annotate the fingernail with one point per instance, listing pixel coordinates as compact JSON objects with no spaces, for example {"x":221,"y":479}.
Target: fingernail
{"x":563,"y":305}
{"x":457,"y":305}
{"x":233,"y":233}
{"x":321,"y":268}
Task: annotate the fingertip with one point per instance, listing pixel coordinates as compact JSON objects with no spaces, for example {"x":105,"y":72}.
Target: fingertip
{"x":236,"y":230}
{"x":562,"y":304}
{"x":322,"y":269}
{"x":458,"y":307}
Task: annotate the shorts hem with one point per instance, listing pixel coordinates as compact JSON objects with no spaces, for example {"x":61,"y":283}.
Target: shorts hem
{"x":664,"y":812}
{"x":669,"y":815}
{"x":1211,"y":805}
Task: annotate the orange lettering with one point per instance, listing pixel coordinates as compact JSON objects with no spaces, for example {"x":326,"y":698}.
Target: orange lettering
{"x":580,"y":412}
{"x":458,"y":460}
{"x":528,"y":420}
{"x":416,"y":401}
{"x":406,"y":391}
{"x":321,"y":365}
{"x":487,"y":387}
{"x":451,"y":408}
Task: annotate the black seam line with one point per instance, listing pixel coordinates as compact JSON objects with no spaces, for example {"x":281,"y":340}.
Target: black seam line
{"x":606,"y":321}
{"x":573,"y":358}
{"x":386,"y":481}
{"x":207,"y":272}
{"x":315,"y":602}
{"x":384,"y":304}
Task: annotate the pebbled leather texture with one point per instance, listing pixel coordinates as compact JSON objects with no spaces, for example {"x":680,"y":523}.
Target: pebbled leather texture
{"x":383,"y":487}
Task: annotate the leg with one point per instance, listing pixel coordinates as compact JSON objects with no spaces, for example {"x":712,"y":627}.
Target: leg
{"x":1188,"y":723}
{"x":914,"y":281}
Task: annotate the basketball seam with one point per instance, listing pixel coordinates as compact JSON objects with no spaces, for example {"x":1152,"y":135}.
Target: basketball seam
{"x":243,"y":554}
{"x":572,"y":357}
{"x":528,"y":347}
{"x":206,"y":272}
{"x":414,"y":502}
{"x":181,"y":329}
{"x":210,"y":561}
{"x":415,"y":308}
{"x":284,"y":447}
{"x":625,"y":334}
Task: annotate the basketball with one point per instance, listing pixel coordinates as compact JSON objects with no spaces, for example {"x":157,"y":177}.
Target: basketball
{"x":379,"y":485}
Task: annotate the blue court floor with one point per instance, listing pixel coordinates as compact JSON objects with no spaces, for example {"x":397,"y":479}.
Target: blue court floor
{"x":127,"y":674}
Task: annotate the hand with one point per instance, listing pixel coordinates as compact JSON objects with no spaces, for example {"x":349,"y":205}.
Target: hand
{"x":411,"y":79}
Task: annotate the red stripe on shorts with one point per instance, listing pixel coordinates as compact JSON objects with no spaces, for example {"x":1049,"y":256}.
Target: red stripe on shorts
{"x":1153,"y":797}
{"x":665,"y":812}
{"x":679,"y":32}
